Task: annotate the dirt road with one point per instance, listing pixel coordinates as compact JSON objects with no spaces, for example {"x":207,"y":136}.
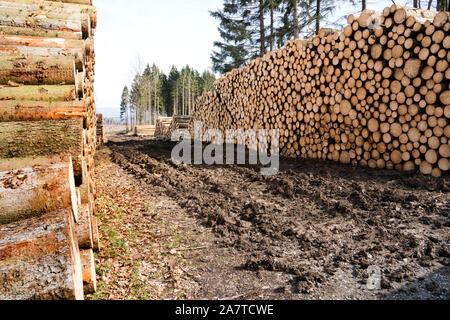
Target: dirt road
{"x":317,"y":230}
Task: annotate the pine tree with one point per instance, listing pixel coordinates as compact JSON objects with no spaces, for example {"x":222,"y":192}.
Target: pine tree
{"x":236,"y":46}
{"x":124,"y":106}
{"x":173,"y":78}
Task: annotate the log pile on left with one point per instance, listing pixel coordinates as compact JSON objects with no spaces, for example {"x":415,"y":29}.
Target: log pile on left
{"x":48,"y":129}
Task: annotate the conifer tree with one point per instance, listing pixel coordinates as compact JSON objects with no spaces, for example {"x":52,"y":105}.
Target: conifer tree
{"x":124,"y":116}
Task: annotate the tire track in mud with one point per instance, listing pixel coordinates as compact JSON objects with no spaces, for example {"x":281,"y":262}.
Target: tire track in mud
{"x":311,"y":219}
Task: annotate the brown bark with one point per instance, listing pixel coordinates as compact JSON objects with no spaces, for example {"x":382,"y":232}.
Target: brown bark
{"x":44,"y":138}
{"x":35,"y":70}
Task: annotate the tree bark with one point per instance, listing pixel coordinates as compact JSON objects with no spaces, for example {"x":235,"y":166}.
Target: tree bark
{"x":262,"y":30}
{"x":44,"y":138}
{"x":272,"y":36}
{"x":318,"y":16}
{"x":40,"y":259}
{"x":296,"y":23}
{"x":35,"y":70}
{"x":39,"y":93}
{"x":35,"y":32}
{"x":33,"y":187}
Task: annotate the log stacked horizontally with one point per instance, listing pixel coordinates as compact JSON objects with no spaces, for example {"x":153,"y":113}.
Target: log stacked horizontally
{"x":375,"y":94}
{"x":48,"y":139}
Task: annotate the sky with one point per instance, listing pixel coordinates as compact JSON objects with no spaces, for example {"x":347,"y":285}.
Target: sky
{"x":170,"y":32}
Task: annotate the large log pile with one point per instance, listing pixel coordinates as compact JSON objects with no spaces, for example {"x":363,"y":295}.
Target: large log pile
{"x":48,"y":139}
{"x":375,"y":94}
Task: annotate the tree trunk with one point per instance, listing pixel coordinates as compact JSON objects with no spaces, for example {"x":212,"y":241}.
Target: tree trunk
{"x":364,"y":5}
{"x":318,"y":16}
{"x":296,"y":23}
{"x":40,"y":259}
{"x":272,"y":36}
{"x":182,"y":98}
{"x":44,"y":138}
{"x":262,"y":30}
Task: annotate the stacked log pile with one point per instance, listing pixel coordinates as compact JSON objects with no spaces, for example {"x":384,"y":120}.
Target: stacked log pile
{"x":100,"y":129}
{"x":166,"y":126}
{"x":162,"y":127}
{"x":375,"y":94}
{"x":47,"y":145}
{"x":146,"y":130}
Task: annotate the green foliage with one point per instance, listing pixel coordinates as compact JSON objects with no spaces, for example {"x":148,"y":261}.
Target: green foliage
{"x":249,"y":28}
{"x":124,"y":104}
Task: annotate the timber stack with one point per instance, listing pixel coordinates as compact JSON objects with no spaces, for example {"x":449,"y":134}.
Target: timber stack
{"x":146,"y":130}
{"x":374,"y":94}
{"x":166,"y":126}
{"x":162,"y":127}
{"x":47,"y":126}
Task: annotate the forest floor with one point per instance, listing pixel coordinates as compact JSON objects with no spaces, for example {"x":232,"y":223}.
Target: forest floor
{"x":317,"y":230}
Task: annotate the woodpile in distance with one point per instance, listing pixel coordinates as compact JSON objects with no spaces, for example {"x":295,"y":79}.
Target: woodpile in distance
{"x":48,"y":139}
{"x":146,"y":130}
{"x":374,"y":94}
{"x":162,"y":127}
{"x":166,"y":126}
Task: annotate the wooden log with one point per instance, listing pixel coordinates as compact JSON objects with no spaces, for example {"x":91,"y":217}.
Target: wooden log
{"x":86,"y":2}
{"x":35,"y":70}
{"x":15,"y":50}
{"x":36,"y":93}
{"x":61,"y":6}
{"x":88,"y":269}
{"x":47,"y":17}
{"x":43,"y":33}
{"x":73,"y":47}
{"x":95,"y":234}
{"x":44,"y":138}
{"x":42,"y":23}
{"x":84,"y":227}
{"x":421,"y":15}
{"x":13,"y":111}
{"x":39,"y":259}
{"x":33,"y":187}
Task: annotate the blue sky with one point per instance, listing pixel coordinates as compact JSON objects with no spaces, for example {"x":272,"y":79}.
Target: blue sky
{"x":171,"y":32}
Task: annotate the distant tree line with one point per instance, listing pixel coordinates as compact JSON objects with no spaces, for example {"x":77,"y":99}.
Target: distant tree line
{"x":250,"y":28}
{"x":154,"y":94}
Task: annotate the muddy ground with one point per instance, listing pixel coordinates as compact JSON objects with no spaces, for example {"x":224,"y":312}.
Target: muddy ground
{"x":317,"y":230}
